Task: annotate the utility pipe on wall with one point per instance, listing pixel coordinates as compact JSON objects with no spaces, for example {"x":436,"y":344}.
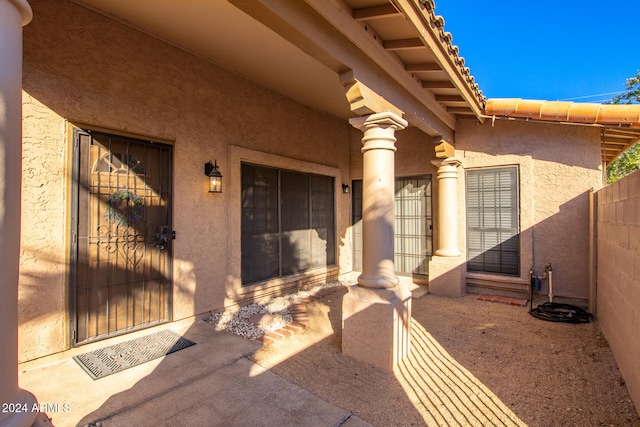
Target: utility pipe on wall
{"x":549,"y":272}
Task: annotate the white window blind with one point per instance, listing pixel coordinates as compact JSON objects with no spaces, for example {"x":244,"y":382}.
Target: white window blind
{"x":493,"y":235}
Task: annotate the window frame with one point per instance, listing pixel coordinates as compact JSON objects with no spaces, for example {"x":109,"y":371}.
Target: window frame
{"x":401,"y":254}
{"x":283,"y":233}
{"x":504,"y":257}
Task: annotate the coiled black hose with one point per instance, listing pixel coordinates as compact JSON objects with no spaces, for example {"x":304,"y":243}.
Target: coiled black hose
{"x":557,"y":312}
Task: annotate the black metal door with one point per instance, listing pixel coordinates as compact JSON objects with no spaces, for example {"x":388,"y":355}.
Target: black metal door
{"x":121,"y":226}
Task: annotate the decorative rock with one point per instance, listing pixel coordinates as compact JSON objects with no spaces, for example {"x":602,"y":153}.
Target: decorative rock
{"x":255,"y":321}
{"x":261,"y":319}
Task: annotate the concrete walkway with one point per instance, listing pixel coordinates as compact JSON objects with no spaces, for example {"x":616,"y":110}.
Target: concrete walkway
{"x":209,"y":384}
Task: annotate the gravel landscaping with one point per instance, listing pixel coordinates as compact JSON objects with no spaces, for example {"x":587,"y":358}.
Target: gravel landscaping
{"x":255,"y":320}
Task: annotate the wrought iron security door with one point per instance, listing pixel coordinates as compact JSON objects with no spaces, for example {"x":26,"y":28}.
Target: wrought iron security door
{"x":121,"y":251}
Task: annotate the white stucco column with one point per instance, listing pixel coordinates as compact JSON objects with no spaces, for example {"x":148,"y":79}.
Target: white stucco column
{"x":376,"y":313}
{"x":378,"y":187}
{"x":13,"y":15}
{"x":447,"y":207}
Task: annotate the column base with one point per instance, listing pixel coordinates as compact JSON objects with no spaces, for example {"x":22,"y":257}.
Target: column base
{"x":23,"y":413}
{"x":448,"y":252}
{"x":376,"y":325}
{"x":447,"y":276}
{"x":378,"y":282}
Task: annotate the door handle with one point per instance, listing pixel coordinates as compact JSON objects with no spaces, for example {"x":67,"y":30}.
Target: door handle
{"x":163,"y":235}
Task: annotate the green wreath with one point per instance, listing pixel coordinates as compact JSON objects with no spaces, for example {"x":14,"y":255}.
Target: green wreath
{"x":130,"y":213}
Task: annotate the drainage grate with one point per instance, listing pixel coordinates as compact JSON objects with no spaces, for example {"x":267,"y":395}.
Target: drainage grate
{"x":118,"y":357}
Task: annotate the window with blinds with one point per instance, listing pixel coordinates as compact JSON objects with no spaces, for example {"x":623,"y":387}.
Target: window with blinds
{"x":287,"y":222}
{"x":493,"y":229}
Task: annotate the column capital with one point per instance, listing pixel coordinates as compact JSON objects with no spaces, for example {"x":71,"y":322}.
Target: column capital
{"x":24,"y":9}
{"x":449,"y":161}
{"x":385,"y":119}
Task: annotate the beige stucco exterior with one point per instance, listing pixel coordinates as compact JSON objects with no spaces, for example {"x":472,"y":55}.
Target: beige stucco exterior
{"x":81,"y":68}
{"x":102,"y":74}
{"x":558,"y":165}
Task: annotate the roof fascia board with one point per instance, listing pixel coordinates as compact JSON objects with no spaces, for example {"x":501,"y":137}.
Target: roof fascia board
{"x":414,"y":12}
{"x":346,"y":47}
{"x":339,"y":15}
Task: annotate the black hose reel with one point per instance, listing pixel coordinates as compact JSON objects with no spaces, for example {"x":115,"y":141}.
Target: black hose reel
{"x":556,"y":312}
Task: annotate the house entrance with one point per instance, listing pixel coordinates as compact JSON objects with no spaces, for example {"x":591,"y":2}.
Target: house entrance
{"x":121,"y":235}
{"x":412,"y":225}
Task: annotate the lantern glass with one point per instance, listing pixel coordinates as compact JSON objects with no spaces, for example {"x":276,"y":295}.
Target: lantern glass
{"x":215,"y":183}
{"x":215,"y":177}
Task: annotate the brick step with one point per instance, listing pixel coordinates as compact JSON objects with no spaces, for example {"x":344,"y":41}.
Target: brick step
{"x":300,"y":318}
{"x":498,"y":288}
{"x":521,"y":302}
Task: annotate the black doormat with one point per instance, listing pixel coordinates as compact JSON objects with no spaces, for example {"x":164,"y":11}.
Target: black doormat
{"x":118,"y":357}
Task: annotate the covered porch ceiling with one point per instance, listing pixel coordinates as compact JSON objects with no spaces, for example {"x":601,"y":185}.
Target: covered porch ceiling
{"x":617,"y":140}
{"x":307,"y":49}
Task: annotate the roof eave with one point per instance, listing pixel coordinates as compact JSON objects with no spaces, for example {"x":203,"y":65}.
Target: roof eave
{"x":430,"y":27}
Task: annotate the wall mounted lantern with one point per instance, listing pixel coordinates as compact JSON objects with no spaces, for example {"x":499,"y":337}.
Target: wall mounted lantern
{"x":345,"y":188}
{"x":215,"y":177}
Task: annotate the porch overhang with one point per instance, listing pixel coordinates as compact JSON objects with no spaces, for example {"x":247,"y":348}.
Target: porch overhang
{"x":397,"y":48}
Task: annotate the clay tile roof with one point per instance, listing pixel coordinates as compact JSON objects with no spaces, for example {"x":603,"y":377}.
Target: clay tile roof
{"x":413,"y":34}
{"x":446,"y":39}
{"x":620,"y":123}
{"x":571,"y":112}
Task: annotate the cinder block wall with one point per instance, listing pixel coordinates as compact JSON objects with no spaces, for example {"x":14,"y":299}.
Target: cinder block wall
{"x":618,"y":294}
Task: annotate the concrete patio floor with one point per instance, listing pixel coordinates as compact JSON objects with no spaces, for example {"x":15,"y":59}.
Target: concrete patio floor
{"x":472,"y":363}
{"x":209,"y":384}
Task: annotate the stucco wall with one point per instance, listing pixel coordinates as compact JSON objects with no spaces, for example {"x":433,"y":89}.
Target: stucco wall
{"x":618,"y":276}
{"x":414,"y":153}
{"x":558,"y":164}
{"x":80,"y":67}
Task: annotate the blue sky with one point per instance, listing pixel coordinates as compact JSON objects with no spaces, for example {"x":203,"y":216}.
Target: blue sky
{"x":546,"y":49}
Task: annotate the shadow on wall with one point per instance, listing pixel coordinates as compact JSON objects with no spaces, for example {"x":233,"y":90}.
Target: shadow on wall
{"x":119,"y":274}
{"x":561,"y":239}
{"x":288,"y":223}
{"x":97,"y":309}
